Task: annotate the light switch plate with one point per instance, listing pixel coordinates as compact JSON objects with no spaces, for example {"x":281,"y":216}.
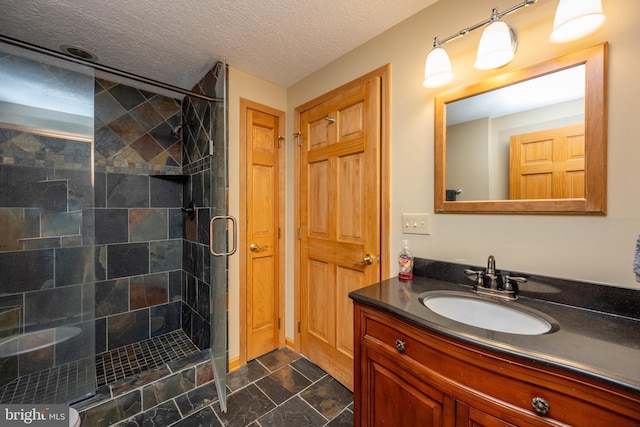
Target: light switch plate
{"x":418,"y":223}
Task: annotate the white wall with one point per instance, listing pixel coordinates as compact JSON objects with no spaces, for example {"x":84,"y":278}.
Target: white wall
{"x":597,"y":249}
{"x":468,"y":167}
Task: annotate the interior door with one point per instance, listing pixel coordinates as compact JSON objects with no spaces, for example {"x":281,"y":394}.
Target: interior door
{"x":548,"y":164}
{"x":260,"y":281}
{"x":340,"y":217}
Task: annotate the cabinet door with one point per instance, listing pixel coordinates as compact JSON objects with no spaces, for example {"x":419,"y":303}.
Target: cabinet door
{"x":396,"y":397}
{"x":467,"y":416}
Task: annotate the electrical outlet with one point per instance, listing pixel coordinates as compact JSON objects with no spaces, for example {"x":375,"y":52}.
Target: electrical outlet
{"x":416,"y":223}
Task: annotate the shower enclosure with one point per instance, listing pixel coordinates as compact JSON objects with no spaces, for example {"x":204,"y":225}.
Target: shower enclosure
{"x":113,"y":226}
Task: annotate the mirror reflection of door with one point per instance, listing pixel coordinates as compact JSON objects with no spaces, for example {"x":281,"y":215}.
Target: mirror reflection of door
{"x":548,"y":164}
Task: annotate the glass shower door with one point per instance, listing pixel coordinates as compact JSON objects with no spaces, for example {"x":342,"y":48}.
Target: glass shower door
{"x":47,"y":245}
{"x":221,"y":243}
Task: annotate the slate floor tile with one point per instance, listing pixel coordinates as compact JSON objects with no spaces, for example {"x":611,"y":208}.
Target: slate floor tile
{"x":344,"y":419}
{"x":160,"y":416}
{"x":280,"y":389}
{"x":244,"y":406}
{"x":294,"y":412}
{"x":328,"y":397}
{"x":197,"y":398}
{"x":278,"y":358}
{"x":249,"y":373}
{"x":203,"y":418}
{"x":282,"y":384}
{"x":308,"y":369}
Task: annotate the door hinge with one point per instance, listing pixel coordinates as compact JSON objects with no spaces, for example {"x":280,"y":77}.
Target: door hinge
{"x":278,"y":323}
{"x":299,"y":234}
{"x":278,"y":232}
{"x":299,"y":327}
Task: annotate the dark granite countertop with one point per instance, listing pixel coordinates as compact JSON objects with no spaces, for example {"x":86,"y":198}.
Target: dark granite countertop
{"x":602,"y":346}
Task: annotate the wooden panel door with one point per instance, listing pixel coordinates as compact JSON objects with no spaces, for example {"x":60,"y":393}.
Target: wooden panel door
{"x":548,"y":164}
{"x":260,"y":276}
{"x":339,"y":202}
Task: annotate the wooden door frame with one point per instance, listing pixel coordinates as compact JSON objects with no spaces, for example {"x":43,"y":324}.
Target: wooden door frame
{"x":383,"y":74}
{"x":245,"y":105}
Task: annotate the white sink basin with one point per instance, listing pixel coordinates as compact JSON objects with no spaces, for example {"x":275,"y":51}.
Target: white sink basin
{"x":486,"y":314}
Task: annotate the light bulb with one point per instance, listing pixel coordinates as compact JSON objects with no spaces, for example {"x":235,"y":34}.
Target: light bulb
{"x":497,"y":46}
{"x":575,"y":19}
{"x":437,"y":68}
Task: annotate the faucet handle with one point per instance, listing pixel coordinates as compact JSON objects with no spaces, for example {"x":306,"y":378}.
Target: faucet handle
{"x":507,"y":282}
{"x":479,"y":280}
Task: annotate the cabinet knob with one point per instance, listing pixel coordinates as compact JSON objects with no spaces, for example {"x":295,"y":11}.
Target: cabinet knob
{"x":400,"y":345}
{"x":540,"y":405}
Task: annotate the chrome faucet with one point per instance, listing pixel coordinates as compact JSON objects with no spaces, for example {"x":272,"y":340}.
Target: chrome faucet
{"x":490,"y":282}
{"x":491,"y":265}
{"x":490,"y":274}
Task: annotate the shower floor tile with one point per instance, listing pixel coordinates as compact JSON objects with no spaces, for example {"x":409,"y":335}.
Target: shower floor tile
{"x":135,"y":358}
{"x":69,"y":382}
{"x":56,"y":385}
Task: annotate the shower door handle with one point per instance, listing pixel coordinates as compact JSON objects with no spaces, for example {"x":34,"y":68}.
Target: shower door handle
{"x":234,"y":237}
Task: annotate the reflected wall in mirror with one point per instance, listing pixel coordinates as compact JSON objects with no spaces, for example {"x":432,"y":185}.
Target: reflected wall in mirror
{"x":532,"y":141}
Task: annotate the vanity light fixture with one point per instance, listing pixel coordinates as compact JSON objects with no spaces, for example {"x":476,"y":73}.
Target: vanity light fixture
{"x":573,"y":19}
{"x":437,"y":69}
{"x":497,"y":45}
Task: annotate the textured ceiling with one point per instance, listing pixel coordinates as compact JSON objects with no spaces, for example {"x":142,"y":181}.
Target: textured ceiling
{"x":178,"y":41}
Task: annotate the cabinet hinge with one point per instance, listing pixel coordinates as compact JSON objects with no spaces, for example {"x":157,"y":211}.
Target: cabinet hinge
{"x":278,"y":232}
{"x":299,"y":234}
{"x":278,"y":323}
{"x":299,"y":327}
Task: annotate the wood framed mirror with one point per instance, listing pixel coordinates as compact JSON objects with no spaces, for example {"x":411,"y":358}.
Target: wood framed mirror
{"x":544,"y":157}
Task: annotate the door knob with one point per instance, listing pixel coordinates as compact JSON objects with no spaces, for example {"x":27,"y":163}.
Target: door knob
{"x":255,"y":248}
{"x":368,"y":259}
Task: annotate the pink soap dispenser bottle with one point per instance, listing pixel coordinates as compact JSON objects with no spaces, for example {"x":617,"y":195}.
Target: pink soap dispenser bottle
{"x":405,"y":262}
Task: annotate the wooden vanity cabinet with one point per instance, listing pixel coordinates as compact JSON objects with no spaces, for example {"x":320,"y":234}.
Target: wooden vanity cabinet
{"x":406,"y":375}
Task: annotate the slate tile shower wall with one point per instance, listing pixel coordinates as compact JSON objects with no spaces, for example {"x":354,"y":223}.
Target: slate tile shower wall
{"x":204,"y":122}
{"x":46,"y":217}
{"x":45,"y":222}
{"x":138,"y":219}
